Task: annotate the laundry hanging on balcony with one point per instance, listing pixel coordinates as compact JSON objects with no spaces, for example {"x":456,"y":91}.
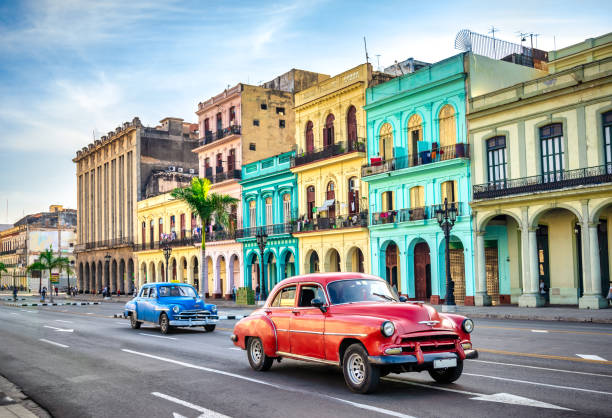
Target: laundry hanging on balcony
{"x":326,"y":205}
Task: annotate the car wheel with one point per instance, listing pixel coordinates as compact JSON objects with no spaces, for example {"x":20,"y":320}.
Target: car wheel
{"x":210,"y":328}
{"x":360,"y":376}
{"x":448,"y":375}
{"x":134,"y":322}
{"x":164,"y":323}
{"x":257,"y":357}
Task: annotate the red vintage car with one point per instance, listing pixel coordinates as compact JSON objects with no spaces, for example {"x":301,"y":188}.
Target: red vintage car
{"x":357,"y":322}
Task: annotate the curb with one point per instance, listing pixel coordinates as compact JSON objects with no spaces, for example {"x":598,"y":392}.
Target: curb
{"x":538,"y":318}
{"x":11,"y":299}
{"x":54,"y":304}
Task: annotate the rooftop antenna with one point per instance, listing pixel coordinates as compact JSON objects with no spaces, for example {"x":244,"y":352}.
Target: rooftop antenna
{"x":378,"y":61}
{"x":365,"y":46}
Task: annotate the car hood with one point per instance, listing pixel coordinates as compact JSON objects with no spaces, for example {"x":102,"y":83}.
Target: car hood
{"x":407,"y":317}
{"x":185,"y":303}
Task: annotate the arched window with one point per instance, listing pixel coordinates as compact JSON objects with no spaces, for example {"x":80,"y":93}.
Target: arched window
{"x":151,"y":232}
{"x":269,"y":213}
{"x":309,"y":137}
{"x":448,"y":126}
{"x":415,"y":134}
{"x":385,"y":141}
{"x":144,"y":232}
{"x":328,"y":131}
{"x":287,"y":207}
{"x":330,"y":195}
{"x":353,"y":195}
{"x":351,"y":127}
{"x":310,"y":201}
{"x":252,"y":213}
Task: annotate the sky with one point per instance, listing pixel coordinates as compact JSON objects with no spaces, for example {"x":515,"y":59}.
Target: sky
{"x":71,"y":70}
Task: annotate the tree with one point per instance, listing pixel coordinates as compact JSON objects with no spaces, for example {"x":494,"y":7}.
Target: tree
{"x":46,"y":262}
{"x":207,"y":206}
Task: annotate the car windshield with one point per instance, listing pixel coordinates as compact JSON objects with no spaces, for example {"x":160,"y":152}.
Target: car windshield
{"x":176,"y":291}
{"x":359,"y":290}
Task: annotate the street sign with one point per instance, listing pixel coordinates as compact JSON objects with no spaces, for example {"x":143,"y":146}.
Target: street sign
{"x":55,"y":278}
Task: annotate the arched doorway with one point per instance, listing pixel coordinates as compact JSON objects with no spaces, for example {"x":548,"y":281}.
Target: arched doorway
{"x":88,"y":285}
{"x":143,"y":274}
{"x":196,"y":273}
{"x":353,"y":195}
{"x":332,"y":261}
{"x":309,"y":137}
{"x":173,"y":270}
{"x":385,"y":142}
{"x":210,"y":276}
{"x":392,"y":265}
{"x":183,"y":271}
{"x":161,"y":271}
{"x":130,"y":279}
{"x":422,"y":271}
{"x":355,"y":260}
{"x":122,"y":277}
{"x":233,"y":274}
{"x":457,"y":268}
{"x":114,"y":276}
{"x":415,"y":134}
{"x":253,"y":270}
{"x":310,"y":202}
{"x":270,"y":272}
{"x":313,"y":262}
{"x":222,"y":274}
{"x":351,"y":127}
{"x":289,"y":265}
{"x":81,"y":277}
{"x":330,"y":195}
{"x":328,"y":131}
{"x":151,"y":278}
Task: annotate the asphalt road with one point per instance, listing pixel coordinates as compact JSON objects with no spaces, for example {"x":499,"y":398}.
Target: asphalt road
{"x":78,"y":361}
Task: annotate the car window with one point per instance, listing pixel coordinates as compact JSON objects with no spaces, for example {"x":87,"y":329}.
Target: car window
{"x":277,"y":299}
{"x":359,"y":290}
{"x":153,"y":293}
{"x":308,"y":292}
{"x":144,"y":292}
{"x":176,"y":291}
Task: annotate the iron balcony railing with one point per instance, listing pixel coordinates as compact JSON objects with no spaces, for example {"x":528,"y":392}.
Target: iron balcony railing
{"x":545,"y":182}
{"x":210,"y":136}
{"x":412,"y":214}
{"x":186,"y":239}
{"x":225,"y":175}
{"x":432,"y":155}
{"x":220,"y":235}
{"x":338,"y":221}
{"x":109,"y":243}
{"x":274,"y":229}
{"x":333,"y":150}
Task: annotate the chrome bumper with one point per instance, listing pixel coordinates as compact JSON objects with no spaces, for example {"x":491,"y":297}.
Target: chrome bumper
{"x":193,"y":322}
{"x":411,"y":359}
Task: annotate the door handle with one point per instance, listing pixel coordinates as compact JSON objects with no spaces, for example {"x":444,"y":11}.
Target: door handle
{"x":268,"y":311}
{"x":295,"y":312}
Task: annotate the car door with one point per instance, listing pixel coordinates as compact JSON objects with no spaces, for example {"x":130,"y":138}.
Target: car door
{"x":150,"y":313}
{"x":307,"y":323}
{"x":141,"y":303}
{"x":279,"y":311}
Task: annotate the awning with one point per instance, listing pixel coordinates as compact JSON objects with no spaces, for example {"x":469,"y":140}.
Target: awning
{"x":326,"y":205}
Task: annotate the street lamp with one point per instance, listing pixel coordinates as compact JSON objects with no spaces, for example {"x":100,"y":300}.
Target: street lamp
{"x":107,"y":258}
{"x":167,"y":251}
{"x":446,"y":217}
{"x":262,"y":240}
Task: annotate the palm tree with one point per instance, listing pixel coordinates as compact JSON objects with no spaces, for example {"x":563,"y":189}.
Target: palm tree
{"x":207,"y":206}
{"x":46,"y":262}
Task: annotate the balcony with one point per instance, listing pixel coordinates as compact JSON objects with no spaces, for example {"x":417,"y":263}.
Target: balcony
{"x":210,"y":137}
{"x":413,"y":214}
{"x":184,"y":239}
{"x":225,"y":175}
{"x":323,"y":223}
{"x":220,"y":235}
{"x":7,"y":252}
{"x":274,"y":229}
{"x":433,"y":155}
{"x":327,"y":152}
{"x":109,"y":243}
{"x":590,"y":176}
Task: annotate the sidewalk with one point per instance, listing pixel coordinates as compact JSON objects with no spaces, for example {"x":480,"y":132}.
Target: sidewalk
{"x":14,"y":403}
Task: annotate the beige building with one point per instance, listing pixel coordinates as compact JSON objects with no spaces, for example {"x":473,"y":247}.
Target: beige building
{"x":113,"y":174}
{"x":542,"y":175}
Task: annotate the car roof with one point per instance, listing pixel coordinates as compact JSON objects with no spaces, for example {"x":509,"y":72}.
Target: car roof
{"x":325,"y":278}
{"x":166,"y":284}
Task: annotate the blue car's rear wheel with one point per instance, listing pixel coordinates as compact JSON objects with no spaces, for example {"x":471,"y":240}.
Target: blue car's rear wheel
{"x":134,"y":322}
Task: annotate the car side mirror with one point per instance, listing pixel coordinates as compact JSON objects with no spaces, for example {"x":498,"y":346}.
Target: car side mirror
{"x":319,"y":304}
{"x":403,"y":298}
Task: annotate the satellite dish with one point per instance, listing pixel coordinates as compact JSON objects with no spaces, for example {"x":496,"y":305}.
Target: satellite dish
{"x":463,"y":41}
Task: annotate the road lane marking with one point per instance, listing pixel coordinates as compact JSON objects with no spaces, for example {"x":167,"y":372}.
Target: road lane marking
{"x":561,"y":331}
{"x":65,"y":322}
{"x":496,"y":397}
{"x":235,"y":348}
{"x":538,"y":384}
{"x":58,"y":329}
{"x":545,"y":356}
{"x":208,"y":413}
{"x":14,"y":313}
{"x":262,"y":382}
{"x":157,"y":336}
{"x":540,"y":330}
{"x":541,"y":368}
{"x":53,"y":343}
{"x":591,"y":357}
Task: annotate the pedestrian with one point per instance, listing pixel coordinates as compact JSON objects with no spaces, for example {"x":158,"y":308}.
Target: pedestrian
{"x":543,"y":290}
{"x":257,"y":293}
{"x":15,"y":293}
{"x":43,"y":293}
{"x":609,"y":297}
{"x":234,"y":293}
{"x":56,"y":291}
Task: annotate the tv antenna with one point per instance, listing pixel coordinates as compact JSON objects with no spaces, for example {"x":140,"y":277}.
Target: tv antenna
{"x":365,"y":46}
{"x":378,"y":61}
{"x":524,"y":35}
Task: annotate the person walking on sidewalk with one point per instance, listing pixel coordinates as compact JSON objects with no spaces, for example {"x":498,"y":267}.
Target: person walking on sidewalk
{"x":609,"y":297}
{"x":15,"y":293}
{"x":43,"y":293}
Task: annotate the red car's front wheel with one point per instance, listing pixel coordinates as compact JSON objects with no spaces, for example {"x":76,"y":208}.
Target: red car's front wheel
{"x":360,"y":376}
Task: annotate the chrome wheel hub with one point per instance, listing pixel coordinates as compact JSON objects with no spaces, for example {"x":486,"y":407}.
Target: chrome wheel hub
{"x":356,"y":369}
{"x":256,"y":351}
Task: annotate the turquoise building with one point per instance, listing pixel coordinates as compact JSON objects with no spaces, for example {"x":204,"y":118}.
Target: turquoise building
{"x":269,"y":203}
{"x":418,"y":156}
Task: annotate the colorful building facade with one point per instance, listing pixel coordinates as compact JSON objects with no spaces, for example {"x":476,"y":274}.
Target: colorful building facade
{"x":419,"y":158}
{"x":330,"y":138}
{"x":542,"y":175}
{"x":269,"y":203}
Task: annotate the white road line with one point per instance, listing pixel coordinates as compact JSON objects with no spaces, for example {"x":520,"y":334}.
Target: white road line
{"x":541,"y":368}
{"x":539,"y":330}
{"x":14,"y":313}
{"x":120,"y":323}
{"x":53,"y":343}
{"x":591,"y":357}
{"x":157,"y":336}
{"x":235,"y":348}
{"x":538,"y":384}
{"x":262,"y":382}
{"x":208,"y":413}
{"x":58,"y":329}
{"x":89,"y":313}
{"x":65,"y":322}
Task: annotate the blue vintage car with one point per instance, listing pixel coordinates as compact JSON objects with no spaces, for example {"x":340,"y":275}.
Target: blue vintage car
{"x":171,"y":305}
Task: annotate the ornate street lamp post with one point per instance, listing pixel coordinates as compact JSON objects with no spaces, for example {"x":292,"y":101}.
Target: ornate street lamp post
{"x":446,"y":219}
{"x":107,"y":258}
{"x":167,"y":251}
{"x":262,"y":240}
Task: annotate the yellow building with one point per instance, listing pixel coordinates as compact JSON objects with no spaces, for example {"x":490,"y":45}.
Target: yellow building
{"x":166,"y":222}
{"x":330,"y":138}
{"x":542,"y":175}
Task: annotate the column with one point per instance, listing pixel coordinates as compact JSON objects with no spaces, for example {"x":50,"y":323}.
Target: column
{"x":592,"y":298}
{"x":179,"y":270}
{"x":216,"y":278}
{"x":481,"y":298}
{"x":436,"y":274}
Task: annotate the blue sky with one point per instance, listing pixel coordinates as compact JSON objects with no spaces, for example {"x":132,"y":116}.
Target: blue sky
{"x":71,"y":68}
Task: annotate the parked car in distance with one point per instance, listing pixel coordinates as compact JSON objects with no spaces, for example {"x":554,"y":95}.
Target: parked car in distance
{"x":171,"y":305}
{"x":357,"y":322}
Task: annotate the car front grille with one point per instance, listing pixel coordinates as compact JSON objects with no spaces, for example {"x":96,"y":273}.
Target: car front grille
{"x":195,"y":315}
{"x":430,"y":343}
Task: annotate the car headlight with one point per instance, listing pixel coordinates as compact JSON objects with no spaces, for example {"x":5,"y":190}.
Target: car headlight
{"x":387,"y":328}
{"x":213,"y":309}
{"x":176,"y":309}
{"x":467,"y":325}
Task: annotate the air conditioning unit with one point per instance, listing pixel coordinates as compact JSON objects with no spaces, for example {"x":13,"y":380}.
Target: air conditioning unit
{"x":192,"y":171}
{"x":171,"y":168}
{"x":180,"y":169}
